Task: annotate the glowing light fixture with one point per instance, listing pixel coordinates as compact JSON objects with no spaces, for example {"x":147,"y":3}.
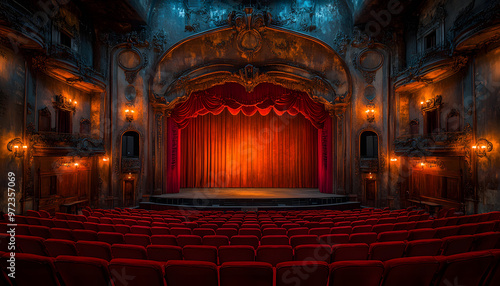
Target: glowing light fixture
{"x":129,"y":114}
{"x":482,"y":146}
{"x":17,"y":147}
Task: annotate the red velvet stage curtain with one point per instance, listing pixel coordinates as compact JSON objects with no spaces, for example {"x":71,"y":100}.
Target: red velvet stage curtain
{"x":264,"y":98}
{"x":256,"y":151}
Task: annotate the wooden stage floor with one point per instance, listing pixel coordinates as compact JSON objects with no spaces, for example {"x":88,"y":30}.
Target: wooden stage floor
{"x":248,"y":193}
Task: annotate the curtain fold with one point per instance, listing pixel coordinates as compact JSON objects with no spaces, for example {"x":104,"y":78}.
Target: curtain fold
{"x":231,"y":151}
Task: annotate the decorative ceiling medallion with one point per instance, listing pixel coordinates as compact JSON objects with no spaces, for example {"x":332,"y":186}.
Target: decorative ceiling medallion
{"x":249,"y":25}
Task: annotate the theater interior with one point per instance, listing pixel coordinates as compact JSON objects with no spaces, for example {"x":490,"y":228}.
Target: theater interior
{"x":250,"y":142}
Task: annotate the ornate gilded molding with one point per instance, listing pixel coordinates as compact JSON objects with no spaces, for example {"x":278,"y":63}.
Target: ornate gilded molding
{"x":431,"y":103}
{"x":131,"y":61}
{"x":249,"y":26}
{"x":63,"y":103}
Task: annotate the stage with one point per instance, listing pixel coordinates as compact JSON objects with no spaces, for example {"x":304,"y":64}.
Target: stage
{"x":249,"y":198}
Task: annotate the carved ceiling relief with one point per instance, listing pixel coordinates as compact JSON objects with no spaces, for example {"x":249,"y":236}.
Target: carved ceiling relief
{"x":249,"y":26}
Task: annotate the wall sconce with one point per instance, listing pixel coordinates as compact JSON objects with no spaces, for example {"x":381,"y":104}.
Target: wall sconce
{"x":105,"y":159}
{"x":129,"y":114}
{"x":422,"y":164}
{"x":370,"y":176}
{"x":482,"y":146}
{"x":370,"y":113}
{"x":129,"y":176}
{"x":17,"y":147}
{"x":394,"y":159}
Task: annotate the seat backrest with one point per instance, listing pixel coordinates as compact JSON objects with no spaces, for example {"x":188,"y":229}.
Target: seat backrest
{"x":333,"y":239}
{"x":485,"y":241}
{"x":445,"y":231}
{"x":232,"y":253}
{"x":250,"y":240}
{"x":319,"y":231}
{"x":297,"y":240}
{"x":313,"y":252}
{"x":129,"y":251}
{"x":424,"y":233}
{"x":410,"y":271}
{"x":203,"y":231}
{"x":137,"y":239}
{"x":246,"y":274}
{"x":83,"y":271}
{"x":96,"y":249}
{"x":351,"y":251}
{"x":366,"y":237}
{"x":164,"y":239}
{"x":188,"y":239}
{"x":33,"y":270}
{"x":297,"y":231}
{"x":423,"y":247}
{"x":456,"y":244}
{"x":274,"y":254}
{"x":40,"y":231}
{"x":135,"y":272}
{"x":164,"y":252}
{"x":180,"y":231}
{"x":303,"y":273}
{"x":191,"y":273}
{"x":398,"y":235}
{"x":378,"y":228}
{"x":110,"y":237}
{"x":274,"y":231}
{"x":341,"y":230}
{"x":31,"y":244}
{"x":359,"y":272}
{"x":229,"y":232}
{"x":387,"y":250}
{"x":56,"y":247}
{"x":84,"y":234}
{"x":465,"y":268}
{"x":62,"y":233}
{"x":215,"y":240}
{"x":362,"y":228}
{"x":275,"y":240}
{"x":200,"y":253}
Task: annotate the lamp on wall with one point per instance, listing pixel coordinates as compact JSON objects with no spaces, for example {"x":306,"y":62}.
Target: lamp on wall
{"x":129,"y":114}
{"x":17,"y":147}
{"x":394,"y":159}
{"x":370,"y":113}
{"x":105,"y":159}
{"x":482,"y":146}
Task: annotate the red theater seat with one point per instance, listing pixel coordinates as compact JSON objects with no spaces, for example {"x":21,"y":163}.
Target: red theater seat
{"x":83,"y":271}
{"x":367,"y":237}
{"x":351,"y":251}
{"x":40,"y":231}
{"x":133,"y":272}
{"x":313,"y":252}
{"x":229,"y":232}
{"x":250,"y":231}
{"x":456,"y":244}
{"x":378,"y":228}
{"x":410,"y":271}
{"x":122,"y":228}
{"x":191,"y":273}
{"x":83,"y":234}
{"x":106,"y":227}
{"x":493,"y":277}
{"x":319,"y":231}
{"x":303,"y":239}
{"x":75,"y":224}
{"x":246,"y":274}
{"x":96,"y":249}
{"x":442,"y":232}
{"x":62,"y":233}
{"x":215,"y":240}
{"x":137,"y":239}
{"x":164,"y":239}
{"x":200,"y":253}
{"x":164,"y":252}
{"x":31,"y":244}
{"x":303,"y":273}
{"x":424,"y":233}
{"x":356,"y":273}
{"x":56,"y":247}
{"x":157,"y":230}
{"x":250,"y":240}
{"x":387,"y":250}
{"x":32,"y":270}
{"x":465,"y":268}
{"x":469,"y":229}
{"x":274,"y":254}
{"x":91,"y":226}
{"x":485,"y":241}
{"x":275,"y":240}
{"x":140,"y":229}
{"x":128,"y":251}
{"x":180,"y":231}
{"x":341,"y":230}
{"x":110,"y":237}
{"x":231,"y":253}
{"x":274,"y":231}
{"x":333,"y":239}
{"x":487,"y":226}
{"x":201,"y":232}
{"x":297,"y":231}
{"x":362,"y":228}
{"x":399,"y":235}
{"x":183,"y":240}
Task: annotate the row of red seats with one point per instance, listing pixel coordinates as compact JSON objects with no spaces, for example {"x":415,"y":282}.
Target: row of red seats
{"x":144,"y":235}
{"x":471,"y":269}
{"x":266,"y":253}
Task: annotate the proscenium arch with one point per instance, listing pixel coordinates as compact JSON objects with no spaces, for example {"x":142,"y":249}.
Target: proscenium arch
{"x":283,"y":57}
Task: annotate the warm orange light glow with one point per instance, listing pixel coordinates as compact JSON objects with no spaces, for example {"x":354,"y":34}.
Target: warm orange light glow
{"x":129,"y":176}
{"x":105,"y":159}
{"x":421,"y":102}
{"x":394,"y":159}
{"x":74,"y":102}
{"x":76,"y":164}
{"x":127,"y":111}
{"x":422,"y":164}
{"x":25,"y":147}
{"x":474,"y":147}
{"x":16,"y":146}
{"x":483,"y":147}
